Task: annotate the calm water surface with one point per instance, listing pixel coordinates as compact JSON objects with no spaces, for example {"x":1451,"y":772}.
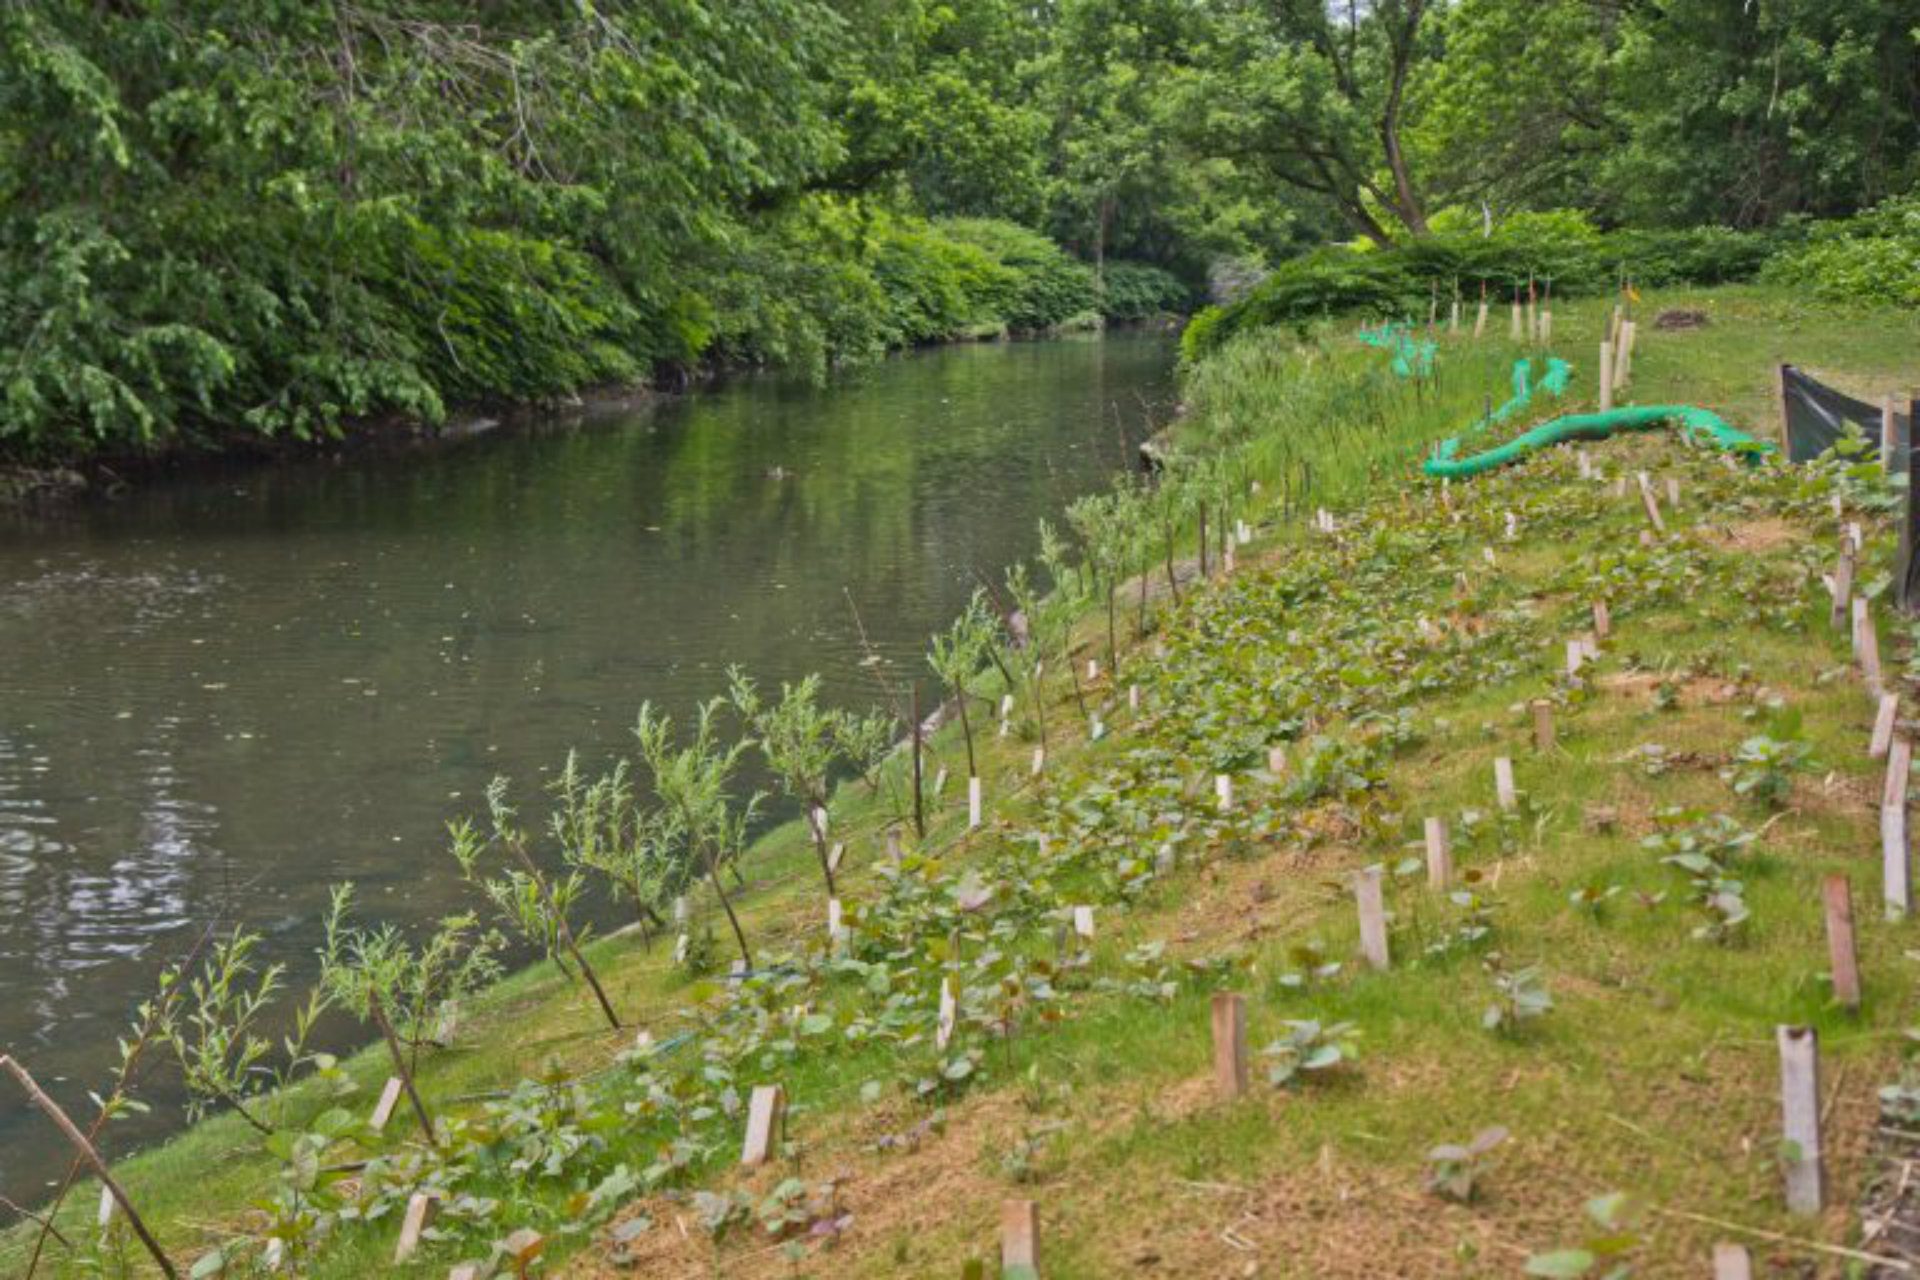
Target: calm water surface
{"x":219,"y":697}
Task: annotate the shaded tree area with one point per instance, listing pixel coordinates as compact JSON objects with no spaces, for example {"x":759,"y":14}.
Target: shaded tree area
{"x":224,"y":221}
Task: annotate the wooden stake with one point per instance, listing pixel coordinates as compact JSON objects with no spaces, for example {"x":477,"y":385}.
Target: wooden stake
{"x":1576,"y":656}
{"x":1516,"y":333}
{"x":1836,"y":893}
{"x":1542,"y":725}
{"x":1602,"y":620}
{"x":1800,"y":1116}
{"x":1230,"y":1043}
{"x":1223,"y":792}
{"x":949,"y":1015}
{"x":1883,"y":723}
{"x":1083,"y":923}
{"x":421,"y":1207}
{"x":1842,"y":590}
{"x":1439,"y":854}
{"x":389,"y":1099}
{"x":1673,"y":492}
{"x":1889,"y":444}
{"x":1039,"y":760}
{"x":1730,"y":1262}
{"x":1624,"y":353}
{"x":1373,"y":918}
{"x":1899,"y":767}
{"x":1652,"y":505}
{"x":1867,"y":643}
{"x":1133,"y":697}
{"x":1895,"y":866}
{"x":766,"y":1116}
{"x":1606,"y":377}
{"x":1277,"y":760}
{"x":836,"y":924}
{"x":973,"y":802}
{"x":893,"y":844}
{"x":1546,"y":327}
{"x":1480,"y":322}
{"x":1503,"y":783}
{"x":1020,"y":1239}
{"x":1586,"y":465}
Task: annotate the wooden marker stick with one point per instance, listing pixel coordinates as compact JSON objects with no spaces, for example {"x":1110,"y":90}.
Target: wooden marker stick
{"x":1800,"y":1117}
{"x":1230,"y":1043}
{"x":1373,"y":918}
{"x":766,"y":1115}
{"x":1606,"y":377}
{"x":1503,"y":783}
{"x":1731,"y":1262}
{"x":421,"y":1208}
{"x":1836,"y":894}
{"x":1223,"y":792}
{"x":1883,"y":722}
{"x":1576,"y":656}
{"x":1867,"y":645}
{"x":1083,"y":923}
{"x":1020,"y":1239}
{"x":1277,"y":760}
{"x":389,"y":1100}
{"x":1842,"y":589}
{"x":1889,"y":433}
{"x":1652,"y":505}
{"x":974,"y":801}
{"x":1439,"y":854}
{"x":1602,"y":620}
{"x":949,"y":1015}
{"x":1542,"y":725}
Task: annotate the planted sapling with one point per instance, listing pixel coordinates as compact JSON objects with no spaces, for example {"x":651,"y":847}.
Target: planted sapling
{"x":1309,"y":1047}
{"x":1519,"y":997}
{"x":1454,"y":1169}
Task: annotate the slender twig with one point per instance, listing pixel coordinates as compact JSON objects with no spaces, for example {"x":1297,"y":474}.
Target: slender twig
{"x":91,"y":1155}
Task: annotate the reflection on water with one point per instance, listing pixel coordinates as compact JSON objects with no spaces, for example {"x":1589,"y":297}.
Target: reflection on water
{"x":218,"y":697}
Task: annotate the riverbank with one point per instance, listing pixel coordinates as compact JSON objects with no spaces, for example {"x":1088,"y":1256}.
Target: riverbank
{"x":1391,"y":661}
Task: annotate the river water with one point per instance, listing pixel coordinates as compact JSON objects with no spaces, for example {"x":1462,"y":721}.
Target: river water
{"x":219,"y":696}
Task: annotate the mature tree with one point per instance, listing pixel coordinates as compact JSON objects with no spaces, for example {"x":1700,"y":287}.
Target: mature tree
{"x":1314,"y":96}
{"x":1742,"y":111}
{"x":1517,"y":113}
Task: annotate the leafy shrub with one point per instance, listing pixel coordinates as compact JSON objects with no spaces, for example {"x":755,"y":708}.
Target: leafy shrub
{"x":1135,"y":291}
{"x":1045,"y":288}
{"x":1558,"y":246}
{"x":1873,"y":258}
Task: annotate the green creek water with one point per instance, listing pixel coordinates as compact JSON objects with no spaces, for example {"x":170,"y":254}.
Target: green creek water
{"x":219,"y":696}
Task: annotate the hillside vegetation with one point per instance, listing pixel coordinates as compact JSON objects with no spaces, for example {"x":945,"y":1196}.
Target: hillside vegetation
{"x":1600,"y":981}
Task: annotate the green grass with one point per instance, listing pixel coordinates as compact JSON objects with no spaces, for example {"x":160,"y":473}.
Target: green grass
{"x":1655,"y":1071}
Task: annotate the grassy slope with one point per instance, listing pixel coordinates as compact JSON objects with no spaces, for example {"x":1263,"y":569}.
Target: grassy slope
{"x":1654,"y":1073}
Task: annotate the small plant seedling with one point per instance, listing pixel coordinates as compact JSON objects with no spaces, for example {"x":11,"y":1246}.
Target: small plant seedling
{"x":1455,"y":1168}
{"x":1603,"y":1256}
{"x":1519,"y":997}
{"x":1308,"y":1047}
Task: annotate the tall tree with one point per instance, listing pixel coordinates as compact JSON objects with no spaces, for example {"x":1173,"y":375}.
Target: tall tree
{"x":1314,"y":95}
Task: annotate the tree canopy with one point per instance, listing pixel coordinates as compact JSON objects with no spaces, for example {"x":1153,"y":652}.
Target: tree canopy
{"x":222,"y":221}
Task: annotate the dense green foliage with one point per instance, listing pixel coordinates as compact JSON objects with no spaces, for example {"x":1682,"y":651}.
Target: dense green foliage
{"x":1562,"y":252}
{"x":1874,"y":258}
{"x":224,"y":220}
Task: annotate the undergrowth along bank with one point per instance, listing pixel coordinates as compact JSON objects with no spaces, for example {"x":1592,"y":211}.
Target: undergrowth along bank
{"x":1386,"y":661}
